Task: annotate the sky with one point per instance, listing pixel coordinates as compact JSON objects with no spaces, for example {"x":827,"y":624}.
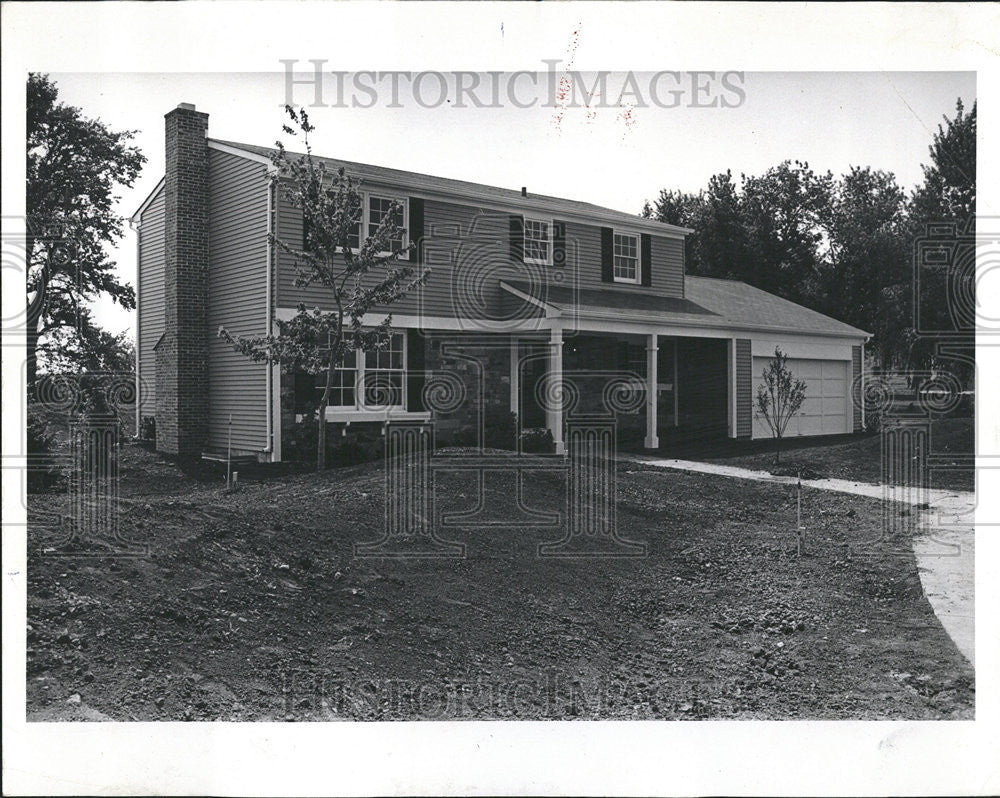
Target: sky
{"x":617,"y":147}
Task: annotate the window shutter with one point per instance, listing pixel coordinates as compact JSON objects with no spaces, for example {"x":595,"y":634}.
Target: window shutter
{"x":558,"y":243}
{"x":305,"y":395}
{"x":415,"y":376}
{"x":417,"y":229}
{"x":306,"y":226}
{"x":607,"y":255}
{"x":647,"y":259}
{"x":517,"y":238}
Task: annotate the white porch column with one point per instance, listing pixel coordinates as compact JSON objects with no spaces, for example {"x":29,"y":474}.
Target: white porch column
{"x":652,"y":392}
{"x":553,"y":410}
{"x":515,"y":373}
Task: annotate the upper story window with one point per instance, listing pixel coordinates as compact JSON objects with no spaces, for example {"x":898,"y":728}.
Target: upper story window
{"x":378,"y":207}
{"x":374,"y":208}
{"x":538,"y":241}
{"x":626,"y":267}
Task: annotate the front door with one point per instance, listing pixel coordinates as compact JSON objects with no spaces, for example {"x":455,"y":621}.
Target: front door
{"x":533,"y":367}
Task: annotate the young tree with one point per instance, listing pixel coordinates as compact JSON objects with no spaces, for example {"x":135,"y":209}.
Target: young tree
{"x":361,"y":274}
{"x":74,"y":166}
{"x":779,"y":397}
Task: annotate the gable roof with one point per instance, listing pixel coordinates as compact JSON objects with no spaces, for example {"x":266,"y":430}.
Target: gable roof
{"x":146,"y":202}
{"x":707,"y":302}
{"x":499,"y":198}
{"x":742,"y":304}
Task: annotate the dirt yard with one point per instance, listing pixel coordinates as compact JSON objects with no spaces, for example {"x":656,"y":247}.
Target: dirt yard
{"x":251,"y":606}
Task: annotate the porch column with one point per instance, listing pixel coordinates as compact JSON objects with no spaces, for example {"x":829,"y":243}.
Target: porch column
{"x":514,"y":373}
{"x":652,"y":394}
{"x":553,"y":409}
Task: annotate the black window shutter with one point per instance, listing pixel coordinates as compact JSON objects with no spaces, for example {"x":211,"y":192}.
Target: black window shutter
{"x":517,"y":238}
{"x":558,"y":243}
{"x":306,"y":226}
{"x":647,"y":259}
{"x":607,"y":254}
{"x":305,"y":391}
{"x":415,"y":376}
{"x":417,"y":229}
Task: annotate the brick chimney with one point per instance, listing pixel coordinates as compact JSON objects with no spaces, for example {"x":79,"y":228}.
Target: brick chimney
{"x":182,"y":353}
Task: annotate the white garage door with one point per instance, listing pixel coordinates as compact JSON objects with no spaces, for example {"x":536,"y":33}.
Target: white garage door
{"x":826,"y":409}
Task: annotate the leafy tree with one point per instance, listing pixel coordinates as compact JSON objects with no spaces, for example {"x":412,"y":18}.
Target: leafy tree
{"x":358,"y":277}
{"x":779,"y":398}
{"x":949,"y":189}
{"x":867,"y":257}
{"x":74,"y":167}
{"x":721,"y":248}
{"x":90,"y":349}
{"x":844,"y":247}
{"x":782,"y":212}
{"x":766,"y":232}
{"x":947,"y":195}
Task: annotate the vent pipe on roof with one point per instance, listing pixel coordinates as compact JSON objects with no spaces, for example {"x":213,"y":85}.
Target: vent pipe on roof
{"x":524,"y":191}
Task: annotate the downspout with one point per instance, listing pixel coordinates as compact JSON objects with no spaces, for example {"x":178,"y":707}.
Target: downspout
{"x":269,"y":372}
{"x":861,"y":390}
{"x":138,"y":324}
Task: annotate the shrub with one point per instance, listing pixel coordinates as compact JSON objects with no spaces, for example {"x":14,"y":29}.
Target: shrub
{"x":147,"y":428}
{"x":500,"y":429}
{"x":537,"y":441}
{"x":42,"y":441}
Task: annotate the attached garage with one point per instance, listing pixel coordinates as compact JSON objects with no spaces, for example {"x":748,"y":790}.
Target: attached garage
{"x":827,"y":409}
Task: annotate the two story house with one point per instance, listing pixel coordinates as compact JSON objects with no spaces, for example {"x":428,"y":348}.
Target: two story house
{"x":536,"y":306}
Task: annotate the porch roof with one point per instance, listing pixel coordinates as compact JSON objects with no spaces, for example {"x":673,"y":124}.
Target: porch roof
{"x":708,"y":302}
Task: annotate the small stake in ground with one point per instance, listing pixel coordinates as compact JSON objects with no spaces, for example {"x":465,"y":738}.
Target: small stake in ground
{"x":229,"y":454}
{"x":800,"y":530}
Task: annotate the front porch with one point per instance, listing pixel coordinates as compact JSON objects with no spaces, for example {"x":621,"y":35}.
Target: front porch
{"x":662,"y":389}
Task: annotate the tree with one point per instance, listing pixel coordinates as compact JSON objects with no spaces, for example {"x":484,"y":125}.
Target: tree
{"x":867,"y":254}
{"x":779,"y":398}
{"x":949,"y":188}
{"x":362,"y":274}
{"x":948,"y":195}
{"x":782,"y":212}
{"x":721,"y":248}
{"x":74,"y":167}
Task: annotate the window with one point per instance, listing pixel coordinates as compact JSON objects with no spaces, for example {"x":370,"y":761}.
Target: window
{"x":538,"y":242}
{"x":371,"y":213}
{"x":342,"y":392}
{"x":354,"y":237}
{"x":384,"y":375}
{"x":379,"y":208}
{"x":373,"y":381}
{"x":626,"y":258}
